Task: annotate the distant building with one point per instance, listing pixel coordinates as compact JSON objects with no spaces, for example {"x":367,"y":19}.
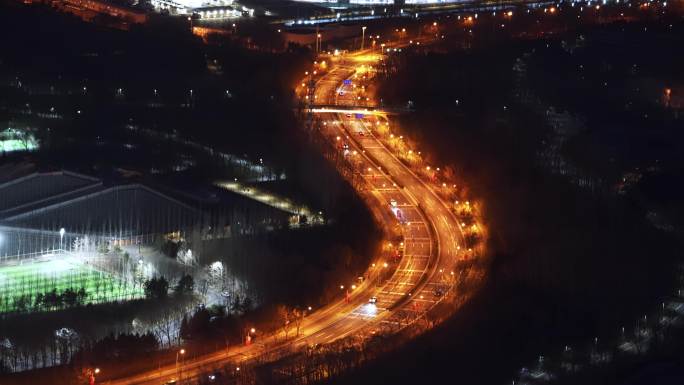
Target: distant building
{"x":205,"y":9}
{"x":46,"y":202}
{"x":204,"y":33}
{"x":81,"y":7}
{"x":171,"y":6}
{"x":340,"y":3}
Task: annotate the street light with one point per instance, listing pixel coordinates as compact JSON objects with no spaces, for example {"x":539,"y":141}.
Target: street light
{"x":190,"y":20}
{"x":91,"y":375}
{"x":182,"y":353}
{"x":363,"y":36}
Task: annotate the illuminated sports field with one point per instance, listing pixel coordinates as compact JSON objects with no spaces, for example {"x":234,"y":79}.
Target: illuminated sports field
{"x":27,"y":287}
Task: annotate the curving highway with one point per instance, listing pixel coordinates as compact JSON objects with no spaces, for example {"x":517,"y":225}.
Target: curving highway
{"x":431,"y":238}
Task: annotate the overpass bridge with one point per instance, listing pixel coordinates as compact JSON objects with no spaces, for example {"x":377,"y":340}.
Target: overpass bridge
{"x":357,"y":109}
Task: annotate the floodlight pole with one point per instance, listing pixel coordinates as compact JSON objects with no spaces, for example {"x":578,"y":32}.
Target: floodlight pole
{"x":61,"y":237}
{"x":363,"y":36}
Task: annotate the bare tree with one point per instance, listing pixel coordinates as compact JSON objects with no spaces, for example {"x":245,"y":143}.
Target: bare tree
{"x":284,"y":314}
{"x":298,"y":316}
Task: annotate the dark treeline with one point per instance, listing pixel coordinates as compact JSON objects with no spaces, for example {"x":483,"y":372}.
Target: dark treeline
{"x":631,"y":105}
{"x":304,"y":267}
{"x":156,"y":76}
{"x":49,"y":300}
{"x":621,"y":94}
{"x":568,"y":263}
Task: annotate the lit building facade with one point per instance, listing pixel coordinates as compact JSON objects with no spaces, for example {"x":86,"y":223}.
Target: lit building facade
{"x":206,"y":9}
{"x":381,"y":2}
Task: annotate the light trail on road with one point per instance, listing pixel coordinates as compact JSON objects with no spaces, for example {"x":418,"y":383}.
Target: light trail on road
{"x":431,"y":238}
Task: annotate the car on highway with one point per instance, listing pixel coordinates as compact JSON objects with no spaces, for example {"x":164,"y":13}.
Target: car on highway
{"x":172,"y":381}
{"x":360,"y":133}
{"x":373,"y":300}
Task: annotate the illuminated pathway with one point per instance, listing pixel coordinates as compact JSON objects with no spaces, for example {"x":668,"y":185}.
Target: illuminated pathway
{"x":269,"y":199}
{"x":431,"y":238}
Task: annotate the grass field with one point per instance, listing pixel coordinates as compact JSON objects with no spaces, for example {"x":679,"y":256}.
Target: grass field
{"x":22,"y":286}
